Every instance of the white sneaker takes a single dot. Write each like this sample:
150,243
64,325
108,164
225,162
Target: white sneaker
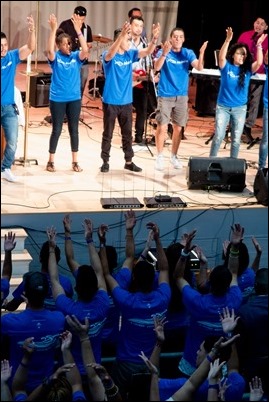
159,162
8,175
177,164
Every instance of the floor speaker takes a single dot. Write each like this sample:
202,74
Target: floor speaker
260,186
216,173
207,89
39,90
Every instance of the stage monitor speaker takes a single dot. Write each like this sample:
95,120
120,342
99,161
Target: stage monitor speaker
39,90
216,173
207,89
260,186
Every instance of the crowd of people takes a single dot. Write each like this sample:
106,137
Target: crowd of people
149,65
53,349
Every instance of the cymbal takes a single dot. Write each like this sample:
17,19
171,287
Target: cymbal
102,39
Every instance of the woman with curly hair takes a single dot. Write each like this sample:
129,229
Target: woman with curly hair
236,68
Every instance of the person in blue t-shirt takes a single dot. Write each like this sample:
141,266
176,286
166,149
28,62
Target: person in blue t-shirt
263,149
92,299
204,309
65,91
118,93
49,302
138,305
236,68
9,110
35,321
173,61
9,245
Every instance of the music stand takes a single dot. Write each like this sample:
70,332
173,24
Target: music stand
24,160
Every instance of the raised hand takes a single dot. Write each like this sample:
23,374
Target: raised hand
67,223
103,228
256,245
66,338
153,369
237,234
6,370
130,219
88,229
51,232
77,326
9,242
155,230
159,327
228,320
255,388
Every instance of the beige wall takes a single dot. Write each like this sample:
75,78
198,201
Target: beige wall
102,16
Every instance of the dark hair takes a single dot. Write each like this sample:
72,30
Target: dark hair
261,282
81,11
44,255
136,18
224,353
36,287
59,389
3,35
243,257
86,283
116,33
246,66
130,12
220,279
142,277
61,36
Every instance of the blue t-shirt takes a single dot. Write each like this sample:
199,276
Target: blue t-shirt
96,311
8,72
204,313
230,94
65,78
137,325
45,326
234,392
118,88
49,302
174,74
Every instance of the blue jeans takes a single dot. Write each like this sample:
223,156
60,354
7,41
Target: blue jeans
233,116
9,122
263,150
58,111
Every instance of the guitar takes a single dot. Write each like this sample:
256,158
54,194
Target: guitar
142,76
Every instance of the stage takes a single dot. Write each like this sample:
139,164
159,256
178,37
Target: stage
41,198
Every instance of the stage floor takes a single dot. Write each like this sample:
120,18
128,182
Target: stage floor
66,191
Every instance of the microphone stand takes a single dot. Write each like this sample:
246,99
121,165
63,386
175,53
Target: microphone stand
149,72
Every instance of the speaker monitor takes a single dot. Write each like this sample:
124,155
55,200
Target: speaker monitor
216,173
260,186
39,90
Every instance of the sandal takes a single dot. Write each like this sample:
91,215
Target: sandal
76,167
50,167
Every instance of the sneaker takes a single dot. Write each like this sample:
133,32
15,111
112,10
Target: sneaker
132,167
8,175
159,163
105,167
177,164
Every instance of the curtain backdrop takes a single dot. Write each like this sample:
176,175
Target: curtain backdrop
102,16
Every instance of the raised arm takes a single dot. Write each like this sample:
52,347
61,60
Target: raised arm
152,44
181,264
51,41
199,63
21,374
83,54
56,287
259,55
9,245
6,370
114,48
161,256
95,385
130,222
93,254
233,262
224,48
256,262
68,245
27,49
73,375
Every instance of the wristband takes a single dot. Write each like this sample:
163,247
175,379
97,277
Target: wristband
183,254
24,365
67,238
79,34
209,358
89,241
213,386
